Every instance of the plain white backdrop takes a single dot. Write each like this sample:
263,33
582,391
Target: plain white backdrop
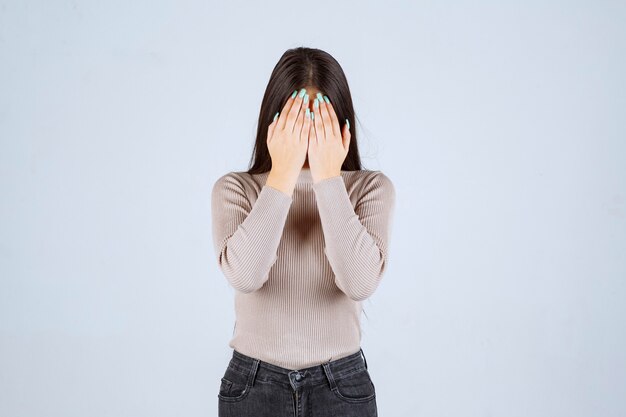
502,126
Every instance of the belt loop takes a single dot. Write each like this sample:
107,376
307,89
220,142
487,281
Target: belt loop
364,360
329,375
253,372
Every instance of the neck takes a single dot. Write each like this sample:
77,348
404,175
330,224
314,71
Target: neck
304,176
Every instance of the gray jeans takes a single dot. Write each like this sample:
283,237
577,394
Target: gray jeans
251,387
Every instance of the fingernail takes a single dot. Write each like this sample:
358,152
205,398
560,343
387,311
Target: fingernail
319,96
308,113
348,123
275,116
327,100
306,99
294,93
302,92
316,103
312,116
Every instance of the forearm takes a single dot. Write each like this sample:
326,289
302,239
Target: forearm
356,258
246,256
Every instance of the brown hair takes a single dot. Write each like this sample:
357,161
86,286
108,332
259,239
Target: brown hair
298,68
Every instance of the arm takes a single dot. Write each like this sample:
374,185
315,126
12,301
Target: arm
246,237
356,238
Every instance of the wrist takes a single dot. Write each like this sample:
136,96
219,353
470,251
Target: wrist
326,176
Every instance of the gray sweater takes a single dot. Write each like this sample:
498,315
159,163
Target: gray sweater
301,265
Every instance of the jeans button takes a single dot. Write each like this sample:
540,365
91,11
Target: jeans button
298,377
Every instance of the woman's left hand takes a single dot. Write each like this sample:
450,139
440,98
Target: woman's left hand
328,143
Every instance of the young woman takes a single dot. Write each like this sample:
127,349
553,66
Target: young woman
303,238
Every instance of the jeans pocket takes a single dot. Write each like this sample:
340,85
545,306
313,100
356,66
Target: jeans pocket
356,387
234,386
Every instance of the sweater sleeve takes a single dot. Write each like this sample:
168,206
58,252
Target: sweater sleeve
246,236
356,238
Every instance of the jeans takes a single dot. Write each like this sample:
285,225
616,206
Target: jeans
251,387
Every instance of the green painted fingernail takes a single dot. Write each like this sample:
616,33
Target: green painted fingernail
308,113
294,93
302,92
275,116
327,100
348,123
319,96
316,102
312,116
306,99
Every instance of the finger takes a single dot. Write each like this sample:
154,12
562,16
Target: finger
282,120
311,128
299,126
307,116
306,128
317,121
312,137
333,116
292,116
272,127
328,127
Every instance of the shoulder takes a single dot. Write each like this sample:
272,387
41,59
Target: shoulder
230,182
231,176
383,180
373,180
241,183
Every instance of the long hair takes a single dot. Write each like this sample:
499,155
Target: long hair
300,68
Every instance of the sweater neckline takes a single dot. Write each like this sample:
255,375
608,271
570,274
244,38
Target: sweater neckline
305,176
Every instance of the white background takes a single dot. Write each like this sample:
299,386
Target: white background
502,126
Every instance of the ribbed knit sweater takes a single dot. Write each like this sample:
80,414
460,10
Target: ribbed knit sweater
301,265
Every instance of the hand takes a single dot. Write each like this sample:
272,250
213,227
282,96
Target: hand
287,142
328,144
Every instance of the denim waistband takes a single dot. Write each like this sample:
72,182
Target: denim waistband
327,371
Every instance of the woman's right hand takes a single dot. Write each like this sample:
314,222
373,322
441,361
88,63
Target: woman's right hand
287,142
